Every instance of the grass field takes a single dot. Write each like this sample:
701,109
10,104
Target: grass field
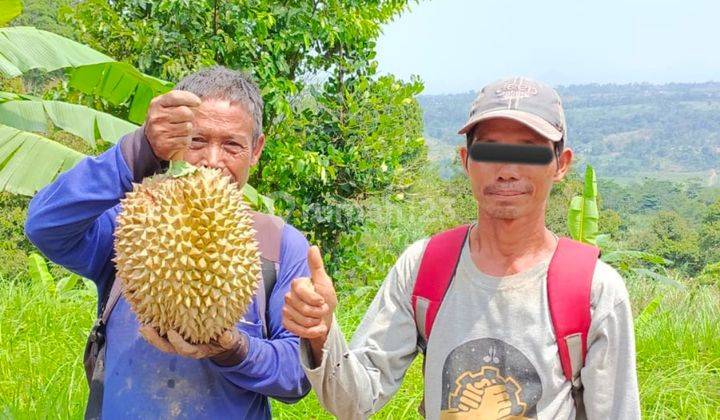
42,336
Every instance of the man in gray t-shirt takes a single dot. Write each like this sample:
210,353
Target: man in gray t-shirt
493,353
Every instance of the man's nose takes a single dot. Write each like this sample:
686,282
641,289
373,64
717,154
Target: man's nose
213,158
508,172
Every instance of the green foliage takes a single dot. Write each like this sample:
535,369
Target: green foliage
70,286
25,48
709,233
429,206
258,201
611,223
583,214
180,168
624,260
561,195
42,341
282,45
648,311
9,10
42,14
678,354
332,154
14,246
39,273
710,275
669,235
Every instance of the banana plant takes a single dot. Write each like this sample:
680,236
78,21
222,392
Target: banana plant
22,117
583,215
583,218
70,287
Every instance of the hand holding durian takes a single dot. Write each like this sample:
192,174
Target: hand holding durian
229,342
185,247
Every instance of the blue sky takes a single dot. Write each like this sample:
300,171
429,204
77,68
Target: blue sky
459,45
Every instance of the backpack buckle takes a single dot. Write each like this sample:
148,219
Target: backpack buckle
97,333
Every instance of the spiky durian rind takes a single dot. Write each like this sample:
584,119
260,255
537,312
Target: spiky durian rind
186,253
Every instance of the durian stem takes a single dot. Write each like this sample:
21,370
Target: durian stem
177,155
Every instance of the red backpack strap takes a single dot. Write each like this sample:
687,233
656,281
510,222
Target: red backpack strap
437,268
569,281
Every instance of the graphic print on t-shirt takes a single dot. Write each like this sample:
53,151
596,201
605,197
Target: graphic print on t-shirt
489,379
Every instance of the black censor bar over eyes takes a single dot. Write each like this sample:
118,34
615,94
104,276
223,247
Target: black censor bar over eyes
511,153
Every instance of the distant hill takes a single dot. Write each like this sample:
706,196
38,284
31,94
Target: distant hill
667,131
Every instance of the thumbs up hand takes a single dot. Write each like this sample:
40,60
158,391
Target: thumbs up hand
310,303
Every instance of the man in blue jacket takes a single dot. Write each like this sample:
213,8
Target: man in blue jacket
214,119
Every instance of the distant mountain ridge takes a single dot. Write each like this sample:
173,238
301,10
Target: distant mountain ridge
664,131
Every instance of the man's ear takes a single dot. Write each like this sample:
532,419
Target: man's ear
463,153
564,161
257,150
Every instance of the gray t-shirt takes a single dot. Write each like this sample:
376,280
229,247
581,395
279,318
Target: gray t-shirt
492,353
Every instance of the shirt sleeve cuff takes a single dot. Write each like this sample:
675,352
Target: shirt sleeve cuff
139,156
233,357
332,350
247,362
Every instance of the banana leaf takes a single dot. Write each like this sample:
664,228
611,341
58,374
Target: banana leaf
39,273
648,311
583,214
625,255
644,272
29,161
32,114
119,82
258,201
24,48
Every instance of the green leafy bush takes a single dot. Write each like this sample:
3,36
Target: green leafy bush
14,246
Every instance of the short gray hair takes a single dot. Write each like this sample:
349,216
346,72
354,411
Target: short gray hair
219,82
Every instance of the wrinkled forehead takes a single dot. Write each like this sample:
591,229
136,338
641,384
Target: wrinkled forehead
222,118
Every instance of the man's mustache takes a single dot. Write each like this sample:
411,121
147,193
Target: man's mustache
509,187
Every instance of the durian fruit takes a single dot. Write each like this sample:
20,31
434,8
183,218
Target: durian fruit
186,253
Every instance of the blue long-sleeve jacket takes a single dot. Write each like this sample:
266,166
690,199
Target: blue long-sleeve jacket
72,222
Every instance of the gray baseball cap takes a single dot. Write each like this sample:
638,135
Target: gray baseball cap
526,101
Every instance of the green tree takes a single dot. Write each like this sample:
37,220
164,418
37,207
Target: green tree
710,274
669,235
710,234
43,14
